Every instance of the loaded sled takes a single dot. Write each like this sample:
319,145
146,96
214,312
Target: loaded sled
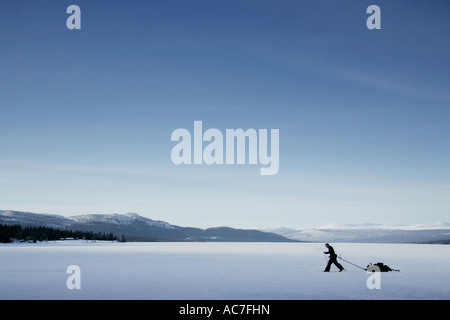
379,267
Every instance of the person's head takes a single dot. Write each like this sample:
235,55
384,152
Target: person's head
327,245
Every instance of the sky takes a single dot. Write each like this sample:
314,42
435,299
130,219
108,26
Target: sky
86,116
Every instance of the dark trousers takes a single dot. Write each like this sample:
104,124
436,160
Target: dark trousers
331,261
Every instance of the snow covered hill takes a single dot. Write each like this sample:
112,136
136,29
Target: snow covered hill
136,228
119,220
33,219
369,233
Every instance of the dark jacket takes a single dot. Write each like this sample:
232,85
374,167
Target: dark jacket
331,252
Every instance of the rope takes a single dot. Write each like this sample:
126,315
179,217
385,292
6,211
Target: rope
352,263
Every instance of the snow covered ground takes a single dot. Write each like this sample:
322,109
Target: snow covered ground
219,271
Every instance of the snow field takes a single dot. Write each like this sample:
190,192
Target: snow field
177,270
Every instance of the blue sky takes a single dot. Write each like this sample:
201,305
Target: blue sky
364,115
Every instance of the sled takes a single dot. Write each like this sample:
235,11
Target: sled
379,267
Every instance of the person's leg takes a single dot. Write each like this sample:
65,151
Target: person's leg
337,264
327,268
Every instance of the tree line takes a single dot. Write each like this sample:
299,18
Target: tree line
10,233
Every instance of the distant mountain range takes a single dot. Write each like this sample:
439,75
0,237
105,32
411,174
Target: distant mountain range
438,232
137,228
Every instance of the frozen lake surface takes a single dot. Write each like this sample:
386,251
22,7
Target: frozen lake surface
220,271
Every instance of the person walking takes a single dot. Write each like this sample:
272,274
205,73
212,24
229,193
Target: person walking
332,259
